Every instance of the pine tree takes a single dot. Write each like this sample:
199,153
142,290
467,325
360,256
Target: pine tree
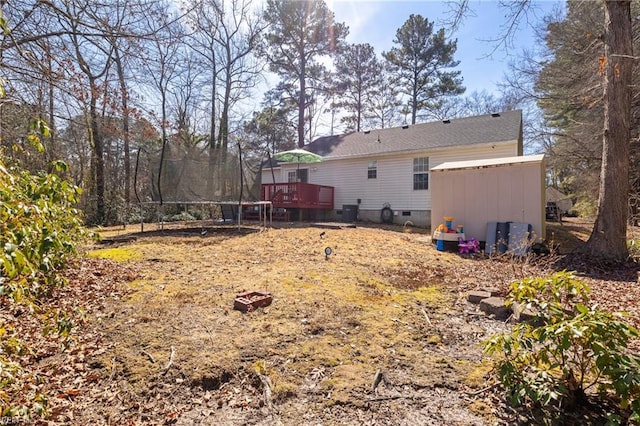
589,81
569,92
422,60
357,77
300,33
608,237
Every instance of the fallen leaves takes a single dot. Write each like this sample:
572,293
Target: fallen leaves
55,363
157,351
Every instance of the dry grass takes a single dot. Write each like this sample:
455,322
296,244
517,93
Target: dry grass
379,301
384,300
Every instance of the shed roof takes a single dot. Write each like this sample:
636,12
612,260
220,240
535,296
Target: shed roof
491,162
554,194
483,129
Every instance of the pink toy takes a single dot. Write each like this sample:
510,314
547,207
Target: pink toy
470,246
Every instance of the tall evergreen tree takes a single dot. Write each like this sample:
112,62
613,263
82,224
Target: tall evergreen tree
300,34
589,81
608,238
385,103
357,77
422,60
269,130
569,92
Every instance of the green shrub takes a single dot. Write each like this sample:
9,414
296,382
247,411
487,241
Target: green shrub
567,349
39,225
182,216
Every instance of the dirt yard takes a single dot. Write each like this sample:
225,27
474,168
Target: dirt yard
379,332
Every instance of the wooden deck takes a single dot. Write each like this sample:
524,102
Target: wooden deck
298,195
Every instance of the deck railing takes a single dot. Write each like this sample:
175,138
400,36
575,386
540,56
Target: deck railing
298,195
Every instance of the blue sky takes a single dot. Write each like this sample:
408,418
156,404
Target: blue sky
376,23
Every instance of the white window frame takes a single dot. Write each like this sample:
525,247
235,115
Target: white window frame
372,169
420,173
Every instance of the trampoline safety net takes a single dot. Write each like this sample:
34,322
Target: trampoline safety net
192,174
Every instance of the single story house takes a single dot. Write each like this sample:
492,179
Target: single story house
384,175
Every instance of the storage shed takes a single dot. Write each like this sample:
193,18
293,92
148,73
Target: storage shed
562,201
478,192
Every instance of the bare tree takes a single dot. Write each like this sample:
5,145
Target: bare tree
94,59
121,50
224,36
69,50
162,64
30,71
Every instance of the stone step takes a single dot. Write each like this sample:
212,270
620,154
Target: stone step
522,313
475,296
493,290
495,306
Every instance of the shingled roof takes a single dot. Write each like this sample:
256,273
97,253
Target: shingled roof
491,128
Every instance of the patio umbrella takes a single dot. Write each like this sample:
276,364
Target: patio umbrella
297,155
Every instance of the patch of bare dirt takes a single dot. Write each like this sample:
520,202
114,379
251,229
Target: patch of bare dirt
378,332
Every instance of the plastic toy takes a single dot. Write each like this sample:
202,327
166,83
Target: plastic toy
470,246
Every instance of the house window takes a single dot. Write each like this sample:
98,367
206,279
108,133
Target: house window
300,175
421,173
372,170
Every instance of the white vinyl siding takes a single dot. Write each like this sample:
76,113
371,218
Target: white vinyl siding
486,152
394,184
394,176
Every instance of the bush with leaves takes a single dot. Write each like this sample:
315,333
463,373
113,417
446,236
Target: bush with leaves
567,349
38,227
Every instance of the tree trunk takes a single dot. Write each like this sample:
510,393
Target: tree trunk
98,150
302,98
51,120
608,238
125,128
301,108
213,147
223,133
163,108
414,104
359,111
